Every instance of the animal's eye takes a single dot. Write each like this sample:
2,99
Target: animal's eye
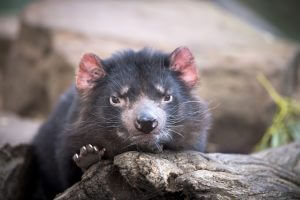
168,98
114,100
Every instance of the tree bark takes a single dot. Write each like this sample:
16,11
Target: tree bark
14,171
272,174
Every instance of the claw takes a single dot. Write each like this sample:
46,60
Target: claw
83,151
88,155
76,157
89,148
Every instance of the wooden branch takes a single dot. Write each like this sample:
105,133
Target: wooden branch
273,174
14,171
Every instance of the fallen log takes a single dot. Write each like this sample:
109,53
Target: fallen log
272,174
14,171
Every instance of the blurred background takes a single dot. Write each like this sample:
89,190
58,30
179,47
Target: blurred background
41,43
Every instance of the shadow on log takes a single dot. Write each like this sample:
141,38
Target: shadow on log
272,174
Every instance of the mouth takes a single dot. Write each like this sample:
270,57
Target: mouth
146,138
146,142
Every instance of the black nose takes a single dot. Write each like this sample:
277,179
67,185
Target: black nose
145,124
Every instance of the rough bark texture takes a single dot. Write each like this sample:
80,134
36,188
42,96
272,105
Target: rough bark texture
273,174
14,168
286,157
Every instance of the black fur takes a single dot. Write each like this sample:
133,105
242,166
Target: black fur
78,121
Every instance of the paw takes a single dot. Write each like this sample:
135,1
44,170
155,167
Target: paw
88,155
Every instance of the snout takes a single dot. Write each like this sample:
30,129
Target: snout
146,122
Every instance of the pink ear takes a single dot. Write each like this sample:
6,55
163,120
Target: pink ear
90,69
182,60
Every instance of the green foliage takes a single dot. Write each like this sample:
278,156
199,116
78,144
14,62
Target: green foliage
285,126
12,6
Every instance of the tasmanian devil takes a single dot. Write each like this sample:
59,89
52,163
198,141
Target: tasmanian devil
131,101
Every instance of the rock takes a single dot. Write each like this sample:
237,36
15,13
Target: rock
291,85
8,32
15,130
190,175
55,34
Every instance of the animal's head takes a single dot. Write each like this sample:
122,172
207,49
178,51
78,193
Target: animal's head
143,98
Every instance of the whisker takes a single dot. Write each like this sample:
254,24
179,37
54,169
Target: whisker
176,132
